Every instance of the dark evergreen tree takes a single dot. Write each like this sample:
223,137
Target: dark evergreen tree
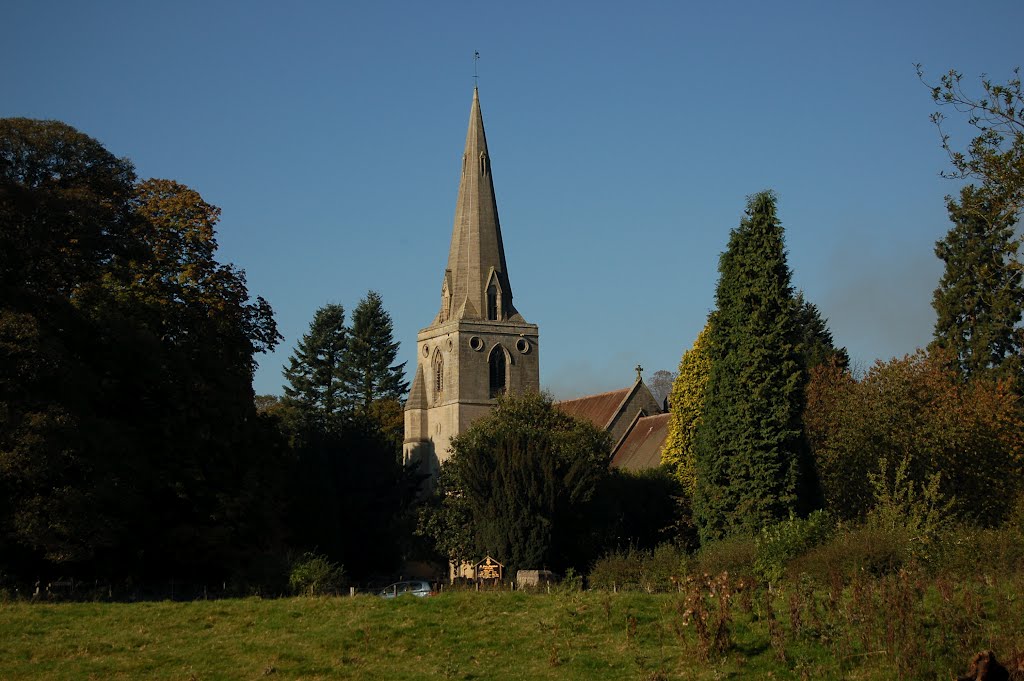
980,298
349,497
645,508
350,493
521,486
751,452
315,372
816,343
370,372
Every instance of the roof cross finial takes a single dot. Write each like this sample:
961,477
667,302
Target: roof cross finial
476,58
639,370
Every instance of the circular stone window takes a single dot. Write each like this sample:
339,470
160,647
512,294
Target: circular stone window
426,351
523,345
477,343
451,346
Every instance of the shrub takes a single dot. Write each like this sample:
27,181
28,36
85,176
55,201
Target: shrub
785,540
903,509
314,575
734,555
572,582
637,570
859,550
663,569
972,551
619,570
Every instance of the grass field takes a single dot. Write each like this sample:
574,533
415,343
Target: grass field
878,629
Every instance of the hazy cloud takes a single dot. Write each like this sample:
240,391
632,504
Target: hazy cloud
879,301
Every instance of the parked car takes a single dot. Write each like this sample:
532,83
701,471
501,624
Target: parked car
415,587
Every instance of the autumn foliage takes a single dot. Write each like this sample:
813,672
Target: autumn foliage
918,408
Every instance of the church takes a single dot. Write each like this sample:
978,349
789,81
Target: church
479,345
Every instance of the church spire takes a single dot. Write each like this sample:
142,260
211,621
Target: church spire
476,284
478,347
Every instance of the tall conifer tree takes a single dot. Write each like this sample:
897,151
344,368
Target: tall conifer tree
980,298
750,445
315,372
816,343
370,374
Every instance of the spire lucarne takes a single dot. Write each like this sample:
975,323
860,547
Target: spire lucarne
478,346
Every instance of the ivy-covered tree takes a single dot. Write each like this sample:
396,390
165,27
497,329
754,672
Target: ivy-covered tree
686,409
316,370
370,371
751,453
980,299
686,403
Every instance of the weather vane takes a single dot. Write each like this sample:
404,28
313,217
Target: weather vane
476,58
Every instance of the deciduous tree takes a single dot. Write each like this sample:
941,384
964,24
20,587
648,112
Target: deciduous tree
995,156
64,215
65,208
661,384
207,456
129,442
916,409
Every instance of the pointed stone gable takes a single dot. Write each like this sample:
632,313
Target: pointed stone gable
633,419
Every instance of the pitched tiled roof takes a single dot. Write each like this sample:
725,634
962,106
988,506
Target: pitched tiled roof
641,447
598,409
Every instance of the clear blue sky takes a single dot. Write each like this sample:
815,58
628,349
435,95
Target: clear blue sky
624,139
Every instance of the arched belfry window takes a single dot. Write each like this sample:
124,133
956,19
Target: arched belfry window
498,366
493,311
438,365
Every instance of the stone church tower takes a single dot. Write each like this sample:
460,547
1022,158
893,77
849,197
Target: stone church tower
478,345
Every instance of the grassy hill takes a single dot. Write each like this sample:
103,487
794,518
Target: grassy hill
900,626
